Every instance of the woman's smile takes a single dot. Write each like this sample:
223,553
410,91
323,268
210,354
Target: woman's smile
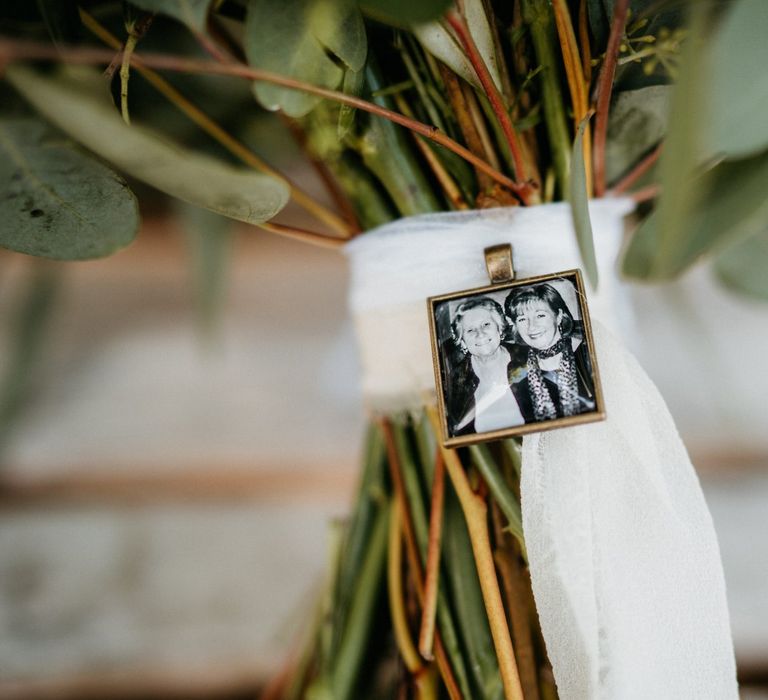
480,332
537,325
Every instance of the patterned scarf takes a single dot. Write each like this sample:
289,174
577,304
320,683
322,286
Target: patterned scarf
567,386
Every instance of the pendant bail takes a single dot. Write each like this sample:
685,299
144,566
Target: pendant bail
498,262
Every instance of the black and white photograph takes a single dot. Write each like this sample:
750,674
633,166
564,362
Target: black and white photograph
514,358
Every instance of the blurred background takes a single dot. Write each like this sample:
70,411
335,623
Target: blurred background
168,482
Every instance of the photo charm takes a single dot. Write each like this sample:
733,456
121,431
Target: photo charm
514,357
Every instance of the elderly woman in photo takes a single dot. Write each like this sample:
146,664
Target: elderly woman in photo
479,398
559,379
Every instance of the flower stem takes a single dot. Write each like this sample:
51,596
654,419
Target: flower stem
432,577
299,234
403,639
455,678
482,459
495,99
574,72
450,188
353,645
13,50
604,87
537,15
637,172
476,515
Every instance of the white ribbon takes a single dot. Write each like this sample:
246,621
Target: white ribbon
624,559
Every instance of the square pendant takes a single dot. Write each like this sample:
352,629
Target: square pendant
514,357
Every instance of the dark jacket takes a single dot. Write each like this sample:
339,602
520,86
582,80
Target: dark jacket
461,383
522,389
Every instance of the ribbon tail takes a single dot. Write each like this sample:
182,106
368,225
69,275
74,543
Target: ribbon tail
624,559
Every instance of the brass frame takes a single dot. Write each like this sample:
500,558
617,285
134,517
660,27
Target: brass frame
540,426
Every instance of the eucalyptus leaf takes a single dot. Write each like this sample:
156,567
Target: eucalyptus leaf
77,102
743,266
442,44
401,13
659,248
637,122
577,195
193,13
737,84
56,201
293,38
731,207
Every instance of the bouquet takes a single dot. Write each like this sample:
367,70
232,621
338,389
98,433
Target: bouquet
400,109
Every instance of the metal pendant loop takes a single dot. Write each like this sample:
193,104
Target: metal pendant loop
498,262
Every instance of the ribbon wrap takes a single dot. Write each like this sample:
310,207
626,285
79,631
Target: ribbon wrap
624,560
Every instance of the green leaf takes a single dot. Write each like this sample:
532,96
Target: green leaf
442,44
731,206
293,38
737,87
404,12
77,102
658,249
193,13
637,122
743,266
57,202
577,195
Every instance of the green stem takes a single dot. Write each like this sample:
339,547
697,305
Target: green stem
371,205
388,154
371,497
537,14
467,599
354,642
511,448
446,623
502,493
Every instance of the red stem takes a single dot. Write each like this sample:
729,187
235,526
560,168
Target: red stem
637,172
604,87
646,193
491,91
15,50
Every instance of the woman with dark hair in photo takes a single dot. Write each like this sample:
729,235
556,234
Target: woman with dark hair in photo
479,398
559,379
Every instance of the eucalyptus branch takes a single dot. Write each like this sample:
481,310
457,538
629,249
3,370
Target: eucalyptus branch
494,96
446,182
427,628
405,645
604,87
303,235
464,119
414,558
18,50
235,147
476,515
574,73
645,194
637,172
